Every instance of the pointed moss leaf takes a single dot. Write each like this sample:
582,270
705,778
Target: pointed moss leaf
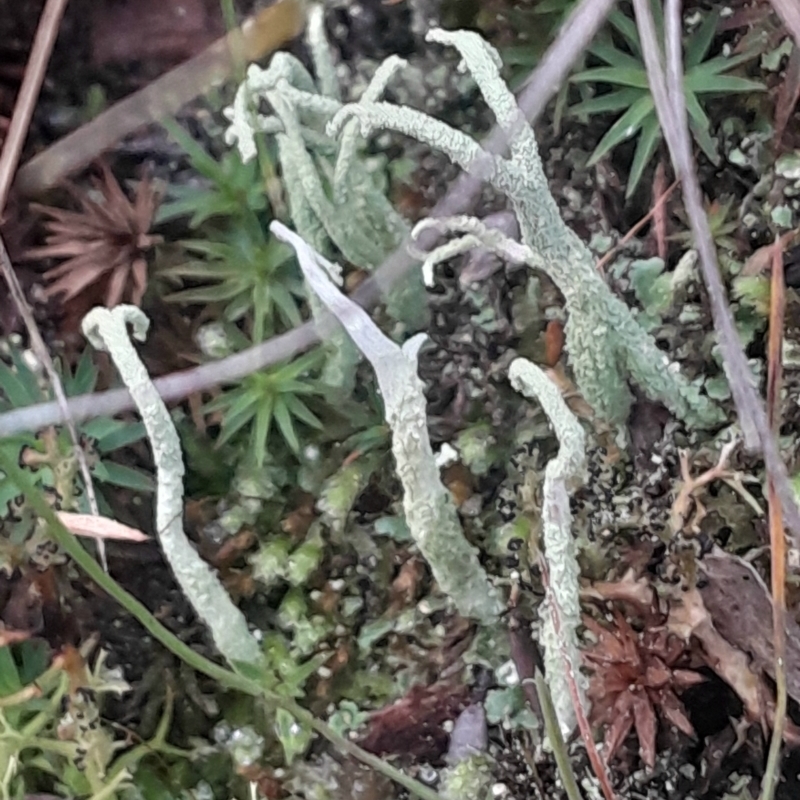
605,49
9,674
624,128
703,138
294,736
121,435
254,672
84,378
699,42
283,418
622,76
627,27
612,101
300,410
17,388
125,477
261,426
645,148
703,83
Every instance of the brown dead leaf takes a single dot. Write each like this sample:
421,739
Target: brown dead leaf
97,527
690,618
638,592
660,211
406,586
459,480
739,604
553,343
413,726
297,522
572,396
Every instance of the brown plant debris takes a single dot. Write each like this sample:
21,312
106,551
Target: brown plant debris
105,242
413,726
635,679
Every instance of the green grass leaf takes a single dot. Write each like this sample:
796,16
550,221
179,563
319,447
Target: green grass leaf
624,128
125,477
621,76
645,149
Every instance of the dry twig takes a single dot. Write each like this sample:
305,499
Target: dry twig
667,90
575,34
777,311
28,93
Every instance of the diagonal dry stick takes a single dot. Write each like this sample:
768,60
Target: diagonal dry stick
777,538
544,82
789,12
264,32
20,122
42,47
667,93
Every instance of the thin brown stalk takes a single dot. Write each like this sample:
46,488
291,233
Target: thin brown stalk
789,12
670,106
263,33
584,726
603,262
777,539
41,352
544,82
29,93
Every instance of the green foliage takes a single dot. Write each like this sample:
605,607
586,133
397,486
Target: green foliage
52,736
536,27
247,270
267,399
50,454
280,560
654,289
234,188
233,260
753,291
626,75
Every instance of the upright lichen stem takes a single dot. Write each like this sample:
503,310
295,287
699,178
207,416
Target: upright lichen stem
107,330
429,509
605,343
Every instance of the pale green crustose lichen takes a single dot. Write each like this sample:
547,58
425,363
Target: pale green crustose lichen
107,330
429,509
561,611
605,343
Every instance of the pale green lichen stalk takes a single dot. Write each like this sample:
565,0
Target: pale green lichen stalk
429,510
605,343
354,215
106,329
561,611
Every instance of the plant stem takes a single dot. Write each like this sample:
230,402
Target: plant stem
225,677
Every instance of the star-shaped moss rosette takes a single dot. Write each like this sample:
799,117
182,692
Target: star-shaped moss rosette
106,240
635,680
624,72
